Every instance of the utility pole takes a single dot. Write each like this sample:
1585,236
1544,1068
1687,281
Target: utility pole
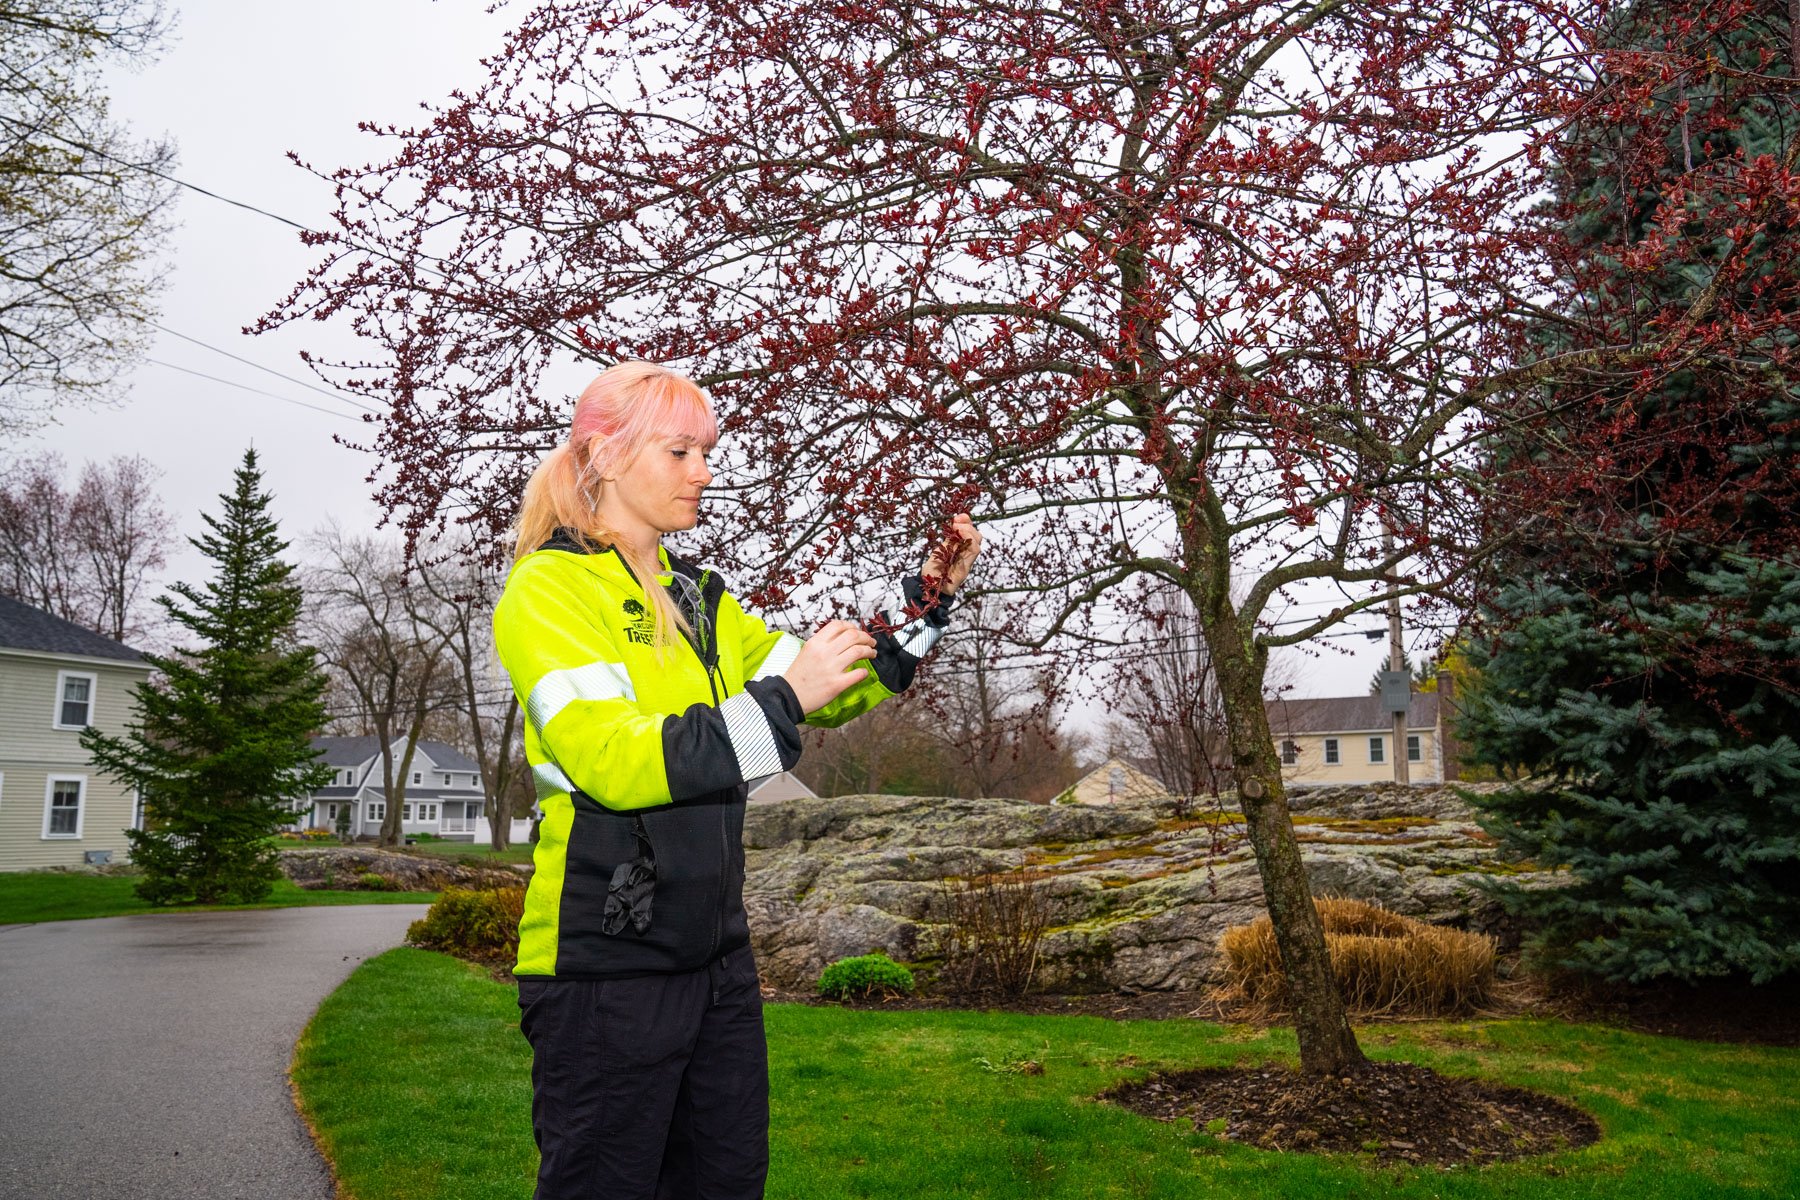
1396,663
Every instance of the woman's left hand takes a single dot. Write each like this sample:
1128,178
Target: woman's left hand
960,548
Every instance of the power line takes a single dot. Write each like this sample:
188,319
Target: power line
342,416
335,394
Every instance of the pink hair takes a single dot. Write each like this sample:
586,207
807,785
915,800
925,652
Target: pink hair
626,406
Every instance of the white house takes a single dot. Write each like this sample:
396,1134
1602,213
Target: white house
443,792
56,679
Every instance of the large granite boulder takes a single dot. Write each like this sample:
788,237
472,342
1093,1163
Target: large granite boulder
1135,896
356,868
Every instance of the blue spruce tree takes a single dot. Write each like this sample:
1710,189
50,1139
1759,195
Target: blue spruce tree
1640,677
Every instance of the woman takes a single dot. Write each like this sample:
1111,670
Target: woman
651,700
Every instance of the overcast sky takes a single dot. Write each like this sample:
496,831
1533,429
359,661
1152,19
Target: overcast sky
240,86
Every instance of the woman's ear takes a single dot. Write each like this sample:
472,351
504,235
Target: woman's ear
596,445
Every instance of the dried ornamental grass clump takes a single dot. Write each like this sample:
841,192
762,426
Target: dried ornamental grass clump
1383,962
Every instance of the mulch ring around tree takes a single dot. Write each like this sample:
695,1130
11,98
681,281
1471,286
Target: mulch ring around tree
1397,1112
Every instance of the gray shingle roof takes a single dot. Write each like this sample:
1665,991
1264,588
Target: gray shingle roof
1347,714
354,751
24,627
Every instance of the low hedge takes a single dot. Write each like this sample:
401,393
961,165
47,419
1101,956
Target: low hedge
863,977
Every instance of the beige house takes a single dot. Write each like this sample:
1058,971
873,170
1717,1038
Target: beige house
56,679
783,785
1349,740
1112,782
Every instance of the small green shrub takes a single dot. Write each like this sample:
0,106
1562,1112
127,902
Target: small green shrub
469,924
867,975
373,881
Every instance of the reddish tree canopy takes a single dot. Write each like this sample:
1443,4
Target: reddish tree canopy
1204,294
1172,281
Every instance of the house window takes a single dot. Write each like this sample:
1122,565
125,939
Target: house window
418,777
331,814
1413,751
1377,750
1331,750
378,810
1290,753
443,781
473,809
349,778
428,812
406,812
62,806
74,700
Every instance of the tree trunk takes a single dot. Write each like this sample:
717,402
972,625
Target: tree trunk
499,800
396,787
1327,1046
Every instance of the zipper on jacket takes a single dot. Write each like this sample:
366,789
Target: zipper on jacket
706,650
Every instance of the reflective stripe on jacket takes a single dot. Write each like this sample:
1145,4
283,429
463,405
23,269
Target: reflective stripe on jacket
642,759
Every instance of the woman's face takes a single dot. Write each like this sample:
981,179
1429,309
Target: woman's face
659,490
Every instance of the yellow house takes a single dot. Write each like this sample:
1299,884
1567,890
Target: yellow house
1349,740
56,679
1113,782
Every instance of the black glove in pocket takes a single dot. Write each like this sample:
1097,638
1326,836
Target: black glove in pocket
633,887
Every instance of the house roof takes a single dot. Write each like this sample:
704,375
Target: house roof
1347,714
24,627
1129,764
354,751
781,783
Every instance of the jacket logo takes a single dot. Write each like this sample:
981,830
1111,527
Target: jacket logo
642,629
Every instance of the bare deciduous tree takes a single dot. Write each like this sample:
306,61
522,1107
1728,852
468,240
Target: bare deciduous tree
82,206
993,720
84,554
465,587
1170,711
386,651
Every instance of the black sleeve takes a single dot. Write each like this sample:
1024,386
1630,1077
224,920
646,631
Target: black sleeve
753,734
894,664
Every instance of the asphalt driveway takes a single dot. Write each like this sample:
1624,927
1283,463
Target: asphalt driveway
145,1057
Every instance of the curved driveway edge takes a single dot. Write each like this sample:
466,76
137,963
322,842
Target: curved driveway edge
145,1057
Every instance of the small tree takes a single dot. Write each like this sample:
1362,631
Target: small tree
220,745
1206,296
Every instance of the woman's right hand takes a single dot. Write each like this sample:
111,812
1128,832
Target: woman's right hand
826,665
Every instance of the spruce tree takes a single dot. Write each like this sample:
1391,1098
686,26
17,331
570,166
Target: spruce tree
220,743
1640,675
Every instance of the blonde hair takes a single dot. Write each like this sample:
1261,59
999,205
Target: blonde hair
616,416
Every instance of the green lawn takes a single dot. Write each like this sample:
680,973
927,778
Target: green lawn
921,1104
29,896
478,853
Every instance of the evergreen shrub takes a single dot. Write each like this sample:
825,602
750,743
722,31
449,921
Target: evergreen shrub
220,740
479,925
1676,807
864,977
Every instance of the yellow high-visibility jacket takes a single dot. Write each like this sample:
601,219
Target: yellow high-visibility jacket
642,761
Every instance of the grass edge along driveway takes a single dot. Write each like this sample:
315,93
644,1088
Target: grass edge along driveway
416,1080
30,897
